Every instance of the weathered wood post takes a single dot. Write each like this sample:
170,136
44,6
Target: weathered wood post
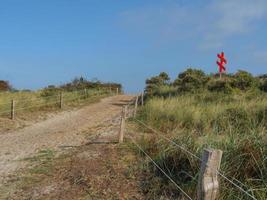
208,184
142,98
12,113
61,100
117,91
136,105
122,127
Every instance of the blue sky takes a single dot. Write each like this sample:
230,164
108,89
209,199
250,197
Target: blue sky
53,41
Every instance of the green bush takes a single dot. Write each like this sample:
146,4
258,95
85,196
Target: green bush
223,85
263,85
191,80
154,84
243,80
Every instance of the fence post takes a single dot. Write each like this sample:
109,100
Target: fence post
136,105
208,184
61,100
142,98
117,91
12,114
122,127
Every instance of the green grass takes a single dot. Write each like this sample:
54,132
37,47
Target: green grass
235,124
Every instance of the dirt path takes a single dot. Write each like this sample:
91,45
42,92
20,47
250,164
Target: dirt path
64,129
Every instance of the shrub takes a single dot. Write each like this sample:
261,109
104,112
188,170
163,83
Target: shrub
191,80
243,80
154,83
218,85
82,83
263,85
5,86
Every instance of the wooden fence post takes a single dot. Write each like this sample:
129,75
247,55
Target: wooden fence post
142,98
136,106
117,91
61,100
122,127
12,114
208,184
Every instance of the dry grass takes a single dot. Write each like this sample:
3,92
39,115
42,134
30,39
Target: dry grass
32,101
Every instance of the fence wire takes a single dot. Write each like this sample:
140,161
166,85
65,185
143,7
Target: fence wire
196,157
48,103
176,185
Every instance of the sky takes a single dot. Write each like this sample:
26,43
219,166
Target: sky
53,41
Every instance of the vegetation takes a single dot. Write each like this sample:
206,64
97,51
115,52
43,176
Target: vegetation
196,81
77,91
5,86
205,112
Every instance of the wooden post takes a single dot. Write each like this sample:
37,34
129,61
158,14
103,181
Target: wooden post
117,91
142,98
122,127
61,100
12,114
136,105
208,184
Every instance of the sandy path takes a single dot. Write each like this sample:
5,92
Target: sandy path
64,129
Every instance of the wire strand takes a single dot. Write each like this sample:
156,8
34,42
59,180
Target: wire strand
169,140
47,97
184,149
240,188
178,187
46,104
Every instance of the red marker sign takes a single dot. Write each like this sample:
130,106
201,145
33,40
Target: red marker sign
221,63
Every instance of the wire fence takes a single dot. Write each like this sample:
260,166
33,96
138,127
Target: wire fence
165,174
51,101
234,182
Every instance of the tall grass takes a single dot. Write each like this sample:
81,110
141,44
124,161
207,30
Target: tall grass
235,124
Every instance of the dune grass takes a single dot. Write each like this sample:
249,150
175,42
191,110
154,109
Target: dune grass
235,124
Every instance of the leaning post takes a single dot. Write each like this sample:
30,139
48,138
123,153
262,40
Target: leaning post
208,184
